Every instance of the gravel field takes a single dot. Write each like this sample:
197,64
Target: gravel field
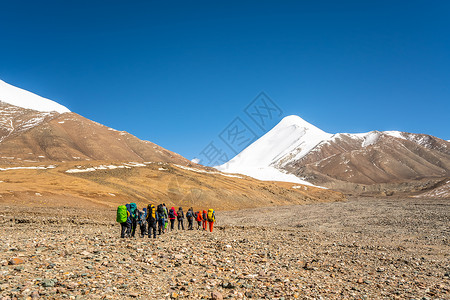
359,249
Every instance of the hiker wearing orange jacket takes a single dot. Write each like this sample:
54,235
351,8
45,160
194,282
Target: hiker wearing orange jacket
204,221
199,219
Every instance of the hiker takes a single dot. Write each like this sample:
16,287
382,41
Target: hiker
129,221
204,221
122,217
199,219
180,218
152,219
211,218
142,221
190,218
161,221
166,217
172,217
133,217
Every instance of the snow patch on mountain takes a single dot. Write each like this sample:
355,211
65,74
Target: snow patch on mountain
397,134
22,98
107,167
29,168
371,138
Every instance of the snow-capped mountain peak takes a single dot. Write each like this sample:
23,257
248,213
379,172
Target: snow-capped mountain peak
294,144
294,120
22,98
291,138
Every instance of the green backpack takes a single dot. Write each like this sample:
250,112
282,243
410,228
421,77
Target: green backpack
122,214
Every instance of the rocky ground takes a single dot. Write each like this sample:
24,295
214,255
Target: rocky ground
359,249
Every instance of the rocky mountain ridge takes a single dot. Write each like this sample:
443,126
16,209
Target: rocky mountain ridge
348,162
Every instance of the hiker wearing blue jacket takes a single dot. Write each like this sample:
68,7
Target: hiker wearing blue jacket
132,219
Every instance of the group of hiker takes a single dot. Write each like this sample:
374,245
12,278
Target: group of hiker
152,219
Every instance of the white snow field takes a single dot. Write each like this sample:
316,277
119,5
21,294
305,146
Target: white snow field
22,98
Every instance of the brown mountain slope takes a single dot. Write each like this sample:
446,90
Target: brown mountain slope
346,162
112,183
47,158
14,120
68,137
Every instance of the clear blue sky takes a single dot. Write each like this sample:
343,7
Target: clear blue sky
178,72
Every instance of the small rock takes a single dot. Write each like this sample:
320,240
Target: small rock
227,285
16,261
72,285
216,296
19,268
48,283
173,295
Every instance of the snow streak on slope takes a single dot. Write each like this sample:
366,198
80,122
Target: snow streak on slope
291,139
22,98
14,119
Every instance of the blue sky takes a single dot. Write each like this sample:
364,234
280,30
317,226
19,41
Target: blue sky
178,72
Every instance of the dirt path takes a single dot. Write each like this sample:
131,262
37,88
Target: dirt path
360,249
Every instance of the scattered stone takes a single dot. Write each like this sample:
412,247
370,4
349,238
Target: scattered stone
216,296
83,258
16,261
48,283
228,285
19,268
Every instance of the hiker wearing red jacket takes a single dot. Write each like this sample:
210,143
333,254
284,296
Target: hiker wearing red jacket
199,219
204,221
172,216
